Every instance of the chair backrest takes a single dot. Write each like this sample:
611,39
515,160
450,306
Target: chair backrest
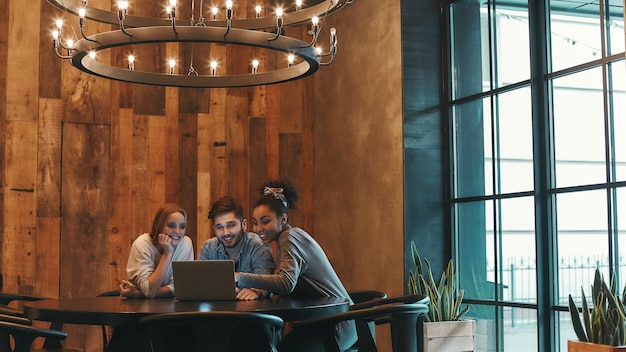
6,298
219,331
360,296
24,335
366,330
421,299
403,319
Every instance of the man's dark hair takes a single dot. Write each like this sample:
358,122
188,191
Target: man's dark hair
225,205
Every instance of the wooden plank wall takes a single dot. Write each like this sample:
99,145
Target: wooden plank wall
85,162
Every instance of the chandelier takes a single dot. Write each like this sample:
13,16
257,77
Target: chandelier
302,58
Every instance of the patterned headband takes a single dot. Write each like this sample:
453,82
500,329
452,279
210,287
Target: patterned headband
277,193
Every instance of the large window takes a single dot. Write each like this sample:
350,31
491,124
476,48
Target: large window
537,102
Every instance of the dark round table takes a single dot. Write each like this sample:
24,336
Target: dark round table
116,311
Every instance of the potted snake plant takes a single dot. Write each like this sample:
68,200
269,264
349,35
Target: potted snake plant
603,324
444,329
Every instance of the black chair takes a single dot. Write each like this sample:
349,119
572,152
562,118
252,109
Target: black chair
360,296
319,334
367,330
407,299
105,333
6,298
214,330
23,335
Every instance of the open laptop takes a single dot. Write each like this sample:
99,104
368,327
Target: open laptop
204,280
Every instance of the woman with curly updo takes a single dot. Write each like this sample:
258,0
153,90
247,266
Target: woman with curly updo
302,268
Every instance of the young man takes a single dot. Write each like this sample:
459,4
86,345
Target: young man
232,242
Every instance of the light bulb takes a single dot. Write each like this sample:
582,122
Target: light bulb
173,3
122,5
55,34
279,12
59,24
258,9
70,43
255,66
229,4
81,13
298,4
131,59
172,64
315,20
290,59
92,55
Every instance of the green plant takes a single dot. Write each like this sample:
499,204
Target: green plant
445,296
604,322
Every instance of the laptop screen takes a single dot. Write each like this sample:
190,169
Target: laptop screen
204,280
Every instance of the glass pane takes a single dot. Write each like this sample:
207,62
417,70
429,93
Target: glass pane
575,38
565,330
470,48
620,225
520,329
616,26
582,241
618,101
471,43
472,155
579,141
518,271
475,274
513,48
514,142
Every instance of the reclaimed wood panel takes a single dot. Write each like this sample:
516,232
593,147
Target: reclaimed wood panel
49,158
4,49
257,163
142,216
85,200
149,100
47,257
20,204
87,97
50,65
291,168
188,178
171,141
290,107
203,189
218,143
157,150
273,115
203,229
121,161
236,127
23,82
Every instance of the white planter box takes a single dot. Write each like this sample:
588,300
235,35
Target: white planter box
450,336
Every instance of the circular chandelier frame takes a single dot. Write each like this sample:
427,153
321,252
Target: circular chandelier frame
246,32
81,60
